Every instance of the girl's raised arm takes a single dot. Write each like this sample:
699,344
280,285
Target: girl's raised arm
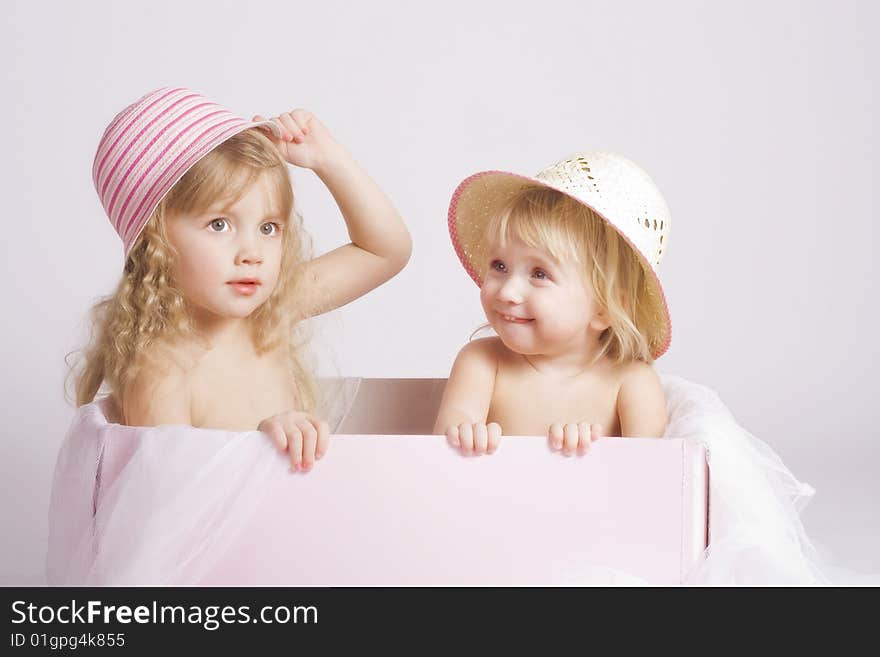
380,243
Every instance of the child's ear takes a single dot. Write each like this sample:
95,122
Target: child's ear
599,322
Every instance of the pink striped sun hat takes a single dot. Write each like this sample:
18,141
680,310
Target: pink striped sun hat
150,145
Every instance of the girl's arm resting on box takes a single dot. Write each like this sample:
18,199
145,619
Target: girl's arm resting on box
468,392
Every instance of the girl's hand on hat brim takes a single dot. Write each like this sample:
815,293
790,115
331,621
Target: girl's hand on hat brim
294,125
304,141
258,118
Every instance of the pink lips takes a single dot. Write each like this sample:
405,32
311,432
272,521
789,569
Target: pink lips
245,286
513,319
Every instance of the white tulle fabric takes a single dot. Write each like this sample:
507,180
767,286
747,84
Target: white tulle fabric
180,500
756,536
185,494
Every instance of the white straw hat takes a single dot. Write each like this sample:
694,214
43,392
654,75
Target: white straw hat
612,186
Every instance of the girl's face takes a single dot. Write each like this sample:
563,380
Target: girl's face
229,256
536,305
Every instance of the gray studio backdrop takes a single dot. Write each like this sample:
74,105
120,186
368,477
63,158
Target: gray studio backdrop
756,119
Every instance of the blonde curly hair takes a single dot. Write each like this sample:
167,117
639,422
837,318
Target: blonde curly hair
130,326
547,219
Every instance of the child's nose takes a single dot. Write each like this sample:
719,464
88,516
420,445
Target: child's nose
248,252
511,291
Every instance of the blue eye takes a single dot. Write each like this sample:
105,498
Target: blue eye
219,225
270,228
497,265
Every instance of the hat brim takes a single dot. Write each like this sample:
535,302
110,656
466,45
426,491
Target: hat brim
272,126
483,195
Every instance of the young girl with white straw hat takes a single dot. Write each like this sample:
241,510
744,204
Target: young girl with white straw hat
566,265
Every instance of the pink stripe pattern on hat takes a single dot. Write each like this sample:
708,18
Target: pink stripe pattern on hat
149,146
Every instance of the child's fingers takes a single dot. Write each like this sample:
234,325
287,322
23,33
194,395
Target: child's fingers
303,118
295,132
481,439
584,437
570,439
452,437
466,437
275,432
266,131
494,434
310,442
323,438
556,436
595,431
295,443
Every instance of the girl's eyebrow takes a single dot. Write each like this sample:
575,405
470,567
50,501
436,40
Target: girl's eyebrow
545,262
216,210
538,258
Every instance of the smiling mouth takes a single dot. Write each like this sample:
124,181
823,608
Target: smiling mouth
514,320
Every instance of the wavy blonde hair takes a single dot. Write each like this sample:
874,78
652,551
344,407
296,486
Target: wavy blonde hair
132,325
549,220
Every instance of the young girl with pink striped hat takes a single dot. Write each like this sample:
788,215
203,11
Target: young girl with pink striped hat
202,329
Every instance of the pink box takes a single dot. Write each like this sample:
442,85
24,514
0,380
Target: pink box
390,505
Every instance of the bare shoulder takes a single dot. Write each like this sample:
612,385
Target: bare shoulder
639,376
161,390
641,404
484,351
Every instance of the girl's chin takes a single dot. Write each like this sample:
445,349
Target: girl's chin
519,346
210,315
